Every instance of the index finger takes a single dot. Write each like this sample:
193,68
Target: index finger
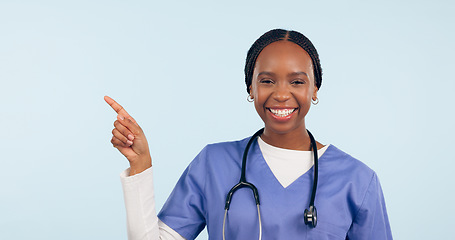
118,108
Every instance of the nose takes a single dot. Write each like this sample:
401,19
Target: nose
282,93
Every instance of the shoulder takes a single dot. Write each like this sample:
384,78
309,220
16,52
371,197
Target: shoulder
339,170
349,171
220,153
228,146
341,161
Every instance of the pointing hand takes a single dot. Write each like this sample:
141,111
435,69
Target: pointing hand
129,139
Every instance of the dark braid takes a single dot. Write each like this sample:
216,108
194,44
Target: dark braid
278,35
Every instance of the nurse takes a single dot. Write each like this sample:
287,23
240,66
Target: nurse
282,75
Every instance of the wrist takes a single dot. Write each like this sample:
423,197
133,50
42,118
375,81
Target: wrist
139,166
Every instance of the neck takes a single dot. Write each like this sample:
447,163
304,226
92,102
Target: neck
298,139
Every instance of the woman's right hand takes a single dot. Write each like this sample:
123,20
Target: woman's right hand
129,139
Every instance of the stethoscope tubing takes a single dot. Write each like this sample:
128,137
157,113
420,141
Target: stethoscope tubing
315,180
312,214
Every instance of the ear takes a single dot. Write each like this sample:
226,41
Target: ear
315,94
251,91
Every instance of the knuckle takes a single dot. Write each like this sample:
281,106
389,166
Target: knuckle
137,131
125,132
117,133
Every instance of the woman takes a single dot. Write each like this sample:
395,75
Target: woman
283,76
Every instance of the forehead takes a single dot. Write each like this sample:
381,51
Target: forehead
284,55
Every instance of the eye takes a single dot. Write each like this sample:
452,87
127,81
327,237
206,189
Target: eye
297,82
266,81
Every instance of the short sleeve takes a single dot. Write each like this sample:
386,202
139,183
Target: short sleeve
371,221
184,210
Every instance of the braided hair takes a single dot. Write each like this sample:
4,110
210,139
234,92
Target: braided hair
281,35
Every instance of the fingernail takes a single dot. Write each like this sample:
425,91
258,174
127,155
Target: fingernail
130,137
120,117
129,142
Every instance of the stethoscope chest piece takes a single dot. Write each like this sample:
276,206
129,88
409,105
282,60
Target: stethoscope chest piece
311,216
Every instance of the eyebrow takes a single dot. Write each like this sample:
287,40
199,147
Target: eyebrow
290,74
298,73
266,73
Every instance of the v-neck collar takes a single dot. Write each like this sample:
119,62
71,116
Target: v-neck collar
270,176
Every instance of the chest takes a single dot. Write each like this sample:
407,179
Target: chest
281,209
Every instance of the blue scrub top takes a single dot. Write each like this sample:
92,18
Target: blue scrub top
349,198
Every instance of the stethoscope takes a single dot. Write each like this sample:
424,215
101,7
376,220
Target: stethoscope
310,214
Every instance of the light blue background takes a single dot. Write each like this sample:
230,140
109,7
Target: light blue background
177,67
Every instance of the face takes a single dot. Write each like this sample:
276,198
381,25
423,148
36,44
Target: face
282,87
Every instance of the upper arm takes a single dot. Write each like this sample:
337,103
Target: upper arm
185,210
167,233
371,221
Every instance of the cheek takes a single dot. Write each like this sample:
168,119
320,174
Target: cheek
308,98
256,93
303,95
258,102
304,100
260,98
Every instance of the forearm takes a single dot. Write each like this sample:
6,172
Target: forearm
142,221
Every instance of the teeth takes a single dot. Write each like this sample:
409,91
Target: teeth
282,112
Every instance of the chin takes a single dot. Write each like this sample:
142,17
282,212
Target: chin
282,128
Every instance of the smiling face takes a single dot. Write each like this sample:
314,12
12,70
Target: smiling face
283,86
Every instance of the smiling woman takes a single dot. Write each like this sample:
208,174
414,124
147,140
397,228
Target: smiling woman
283,75
283,86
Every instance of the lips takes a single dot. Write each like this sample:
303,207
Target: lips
281,112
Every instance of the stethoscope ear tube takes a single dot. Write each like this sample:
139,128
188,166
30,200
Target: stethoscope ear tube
242,182
311,214
245,153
